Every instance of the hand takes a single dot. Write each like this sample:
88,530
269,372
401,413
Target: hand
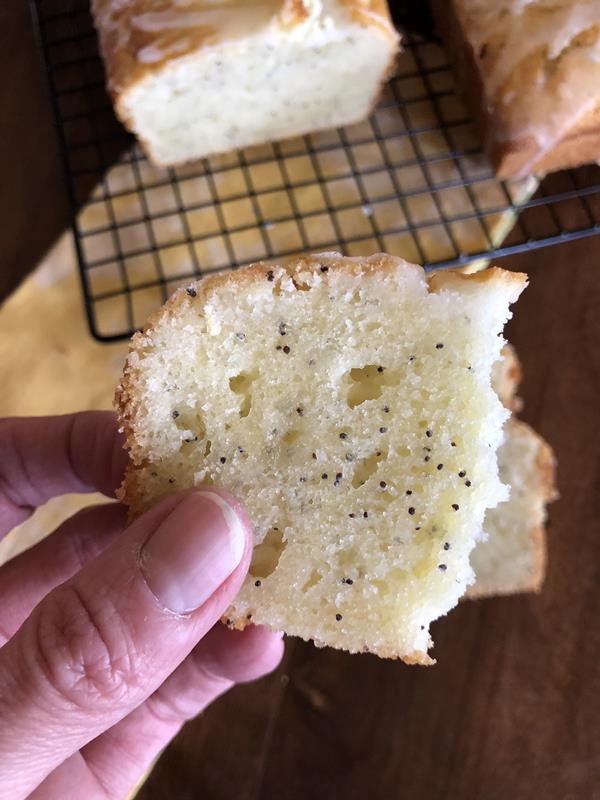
109,636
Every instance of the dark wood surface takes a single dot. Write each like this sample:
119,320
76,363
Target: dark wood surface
33,207
512,709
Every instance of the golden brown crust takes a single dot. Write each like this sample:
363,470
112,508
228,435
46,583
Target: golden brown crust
441,278
508,379
515,154
240,623
545,464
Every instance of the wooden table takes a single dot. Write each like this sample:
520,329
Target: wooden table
512,709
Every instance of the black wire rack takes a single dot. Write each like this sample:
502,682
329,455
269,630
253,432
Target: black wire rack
411,180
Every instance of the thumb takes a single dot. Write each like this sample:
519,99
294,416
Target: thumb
100,644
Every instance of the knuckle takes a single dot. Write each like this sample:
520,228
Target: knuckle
179,701
81,542
84,650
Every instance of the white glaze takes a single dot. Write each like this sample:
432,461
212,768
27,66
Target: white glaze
548,108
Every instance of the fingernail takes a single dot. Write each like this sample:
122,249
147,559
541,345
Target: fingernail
193,551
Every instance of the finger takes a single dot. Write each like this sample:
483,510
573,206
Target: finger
73,780
41,457
26,579
100,644
119,758
122,755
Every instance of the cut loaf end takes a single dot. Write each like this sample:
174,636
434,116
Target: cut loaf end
347,403
226,76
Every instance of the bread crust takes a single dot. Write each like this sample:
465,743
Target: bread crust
240,623
512,156
508,379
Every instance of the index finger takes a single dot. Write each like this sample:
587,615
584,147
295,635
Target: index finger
42,457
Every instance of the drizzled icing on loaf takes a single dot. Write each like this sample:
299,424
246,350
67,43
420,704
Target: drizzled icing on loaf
146,33
539,61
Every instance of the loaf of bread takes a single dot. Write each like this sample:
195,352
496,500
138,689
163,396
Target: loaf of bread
198,77
347,402
531,71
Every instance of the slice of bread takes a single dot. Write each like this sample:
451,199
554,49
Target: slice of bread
513,557
347,403
194,79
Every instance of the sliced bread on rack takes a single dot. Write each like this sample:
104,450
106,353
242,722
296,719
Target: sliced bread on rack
196,78
347,403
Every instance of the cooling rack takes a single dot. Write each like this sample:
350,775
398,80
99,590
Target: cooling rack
411,180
